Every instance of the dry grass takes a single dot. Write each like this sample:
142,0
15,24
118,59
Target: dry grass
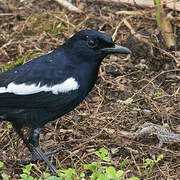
36,27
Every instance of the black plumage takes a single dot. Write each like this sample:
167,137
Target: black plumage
52,85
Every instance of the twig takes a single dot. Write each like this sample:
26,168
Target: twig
174,5
69,6
117,28
6,14
61,19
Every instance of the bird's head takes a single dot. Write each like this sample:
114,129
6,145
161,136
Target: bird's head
91,45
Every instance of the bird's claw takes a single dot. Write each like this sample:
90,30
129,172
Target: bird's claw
36,157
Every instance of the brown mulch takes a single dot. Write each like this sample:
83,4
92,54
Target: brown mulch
150,81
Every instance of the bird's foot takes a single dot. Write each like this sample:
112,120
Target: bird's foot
37,154
36,157
54,151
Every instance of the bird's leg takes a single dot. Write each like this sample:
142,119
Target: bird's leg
20,133
34,141
33,146
35,157
28,145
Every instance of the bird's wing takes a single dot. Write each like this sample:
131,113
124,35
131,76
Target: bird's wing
37,85
37,100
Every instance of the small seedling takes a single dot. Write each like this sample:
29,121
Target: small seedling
157,94
98,170
67,174
3,175
149,164
26,173
1,164
103,154
123,163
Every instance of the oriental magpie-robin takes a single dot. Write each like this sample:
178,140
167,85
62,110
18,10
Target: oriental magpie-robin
52,85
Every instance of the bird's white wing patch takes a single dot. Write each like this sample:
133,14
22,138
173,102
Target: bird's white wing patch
69,84
3,90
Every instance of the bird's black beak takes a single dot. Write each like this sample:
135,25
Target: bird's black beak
116,49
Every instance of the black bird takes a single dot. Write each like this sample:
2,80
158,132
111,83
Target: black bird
52,85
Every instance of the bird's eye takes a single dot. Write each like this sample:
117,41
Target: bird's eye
91,43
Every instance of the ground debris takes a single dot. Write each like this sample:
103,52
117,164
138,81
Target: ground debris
69,6
164,134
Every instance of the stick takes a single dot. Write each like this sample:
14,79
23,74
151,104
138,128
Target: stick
68,5
171,4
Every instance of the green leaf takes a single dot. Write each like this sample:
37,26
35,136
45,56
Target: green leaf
1,164
9,66
107,159
67,174
82,175
53,178
133,178
103,154
111,172
89,167
93,176
92,167
101,177
120,173
23,176
161,156
144,166
47,175
148,161
31,178
157,94
104,151
100,170
5,176
9,126
123,163
98,154
27,169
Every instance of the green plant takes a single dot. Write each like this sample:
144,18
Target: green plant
26,173
123,163
157,94
67,174
150,163
164,24
1,164
103,154
3,175
10,65
99,170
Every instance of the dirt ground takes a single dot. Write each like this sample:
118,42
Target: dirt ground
131,90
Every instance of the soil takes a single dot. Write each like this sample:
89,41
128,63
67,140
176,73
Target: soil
131,90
